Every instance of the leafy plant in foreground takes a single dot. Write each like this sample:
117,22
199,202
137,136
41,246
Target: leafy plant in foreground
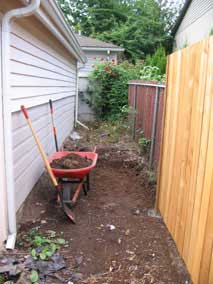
34,277
144,142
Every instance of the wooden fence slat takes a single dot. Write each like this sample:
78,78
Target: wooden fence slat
157,201
173,126
207,249
177,169
211,271
199,90
204,175
183,134
165,146
186,173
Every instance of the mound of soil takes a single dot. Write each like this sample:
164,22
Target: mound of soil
71,161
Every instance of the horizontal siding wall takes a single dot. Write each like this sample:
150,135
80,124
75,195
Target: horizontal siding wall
196,10
41,69
197,23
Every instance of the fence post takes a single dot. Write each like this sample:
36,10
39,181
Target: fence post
135,111
154,126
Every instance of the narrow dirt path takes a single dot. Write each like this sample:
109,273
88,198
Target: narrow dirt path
114,240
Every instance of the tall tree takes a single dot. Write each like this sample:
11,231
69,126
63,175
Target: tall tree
140,26
94,16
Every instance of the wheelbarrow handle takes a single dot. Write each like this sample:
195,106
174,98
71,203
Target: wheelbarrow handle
94,150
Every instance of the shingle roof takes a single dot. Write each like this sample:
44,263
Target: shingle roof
181,16
89,42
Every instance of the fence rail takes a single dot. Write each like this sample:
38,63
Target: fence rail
185,183
147,99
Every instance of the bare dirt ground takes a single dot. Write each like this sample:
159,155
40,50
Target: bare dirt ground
115,240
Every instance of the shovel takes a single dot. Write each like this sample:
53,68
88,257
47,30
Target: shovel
65,208
53,125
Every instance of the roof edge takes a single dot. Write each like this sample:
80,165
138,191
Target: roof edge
69,41
119,49
180,17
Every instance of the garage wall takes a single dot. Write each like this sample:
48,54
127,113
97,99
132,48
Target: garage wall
40,69
93,57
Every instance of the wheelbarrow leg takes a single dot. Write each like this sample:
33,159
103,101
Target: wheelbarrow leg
88,182
85,189
66,209
77,192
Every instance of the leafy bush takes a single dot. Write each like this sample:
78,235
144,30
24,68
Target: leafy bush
151,73
158,60
108,86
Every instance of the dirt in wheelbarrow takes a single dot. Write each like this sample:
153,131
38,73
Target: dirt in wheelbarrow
71,161
116,239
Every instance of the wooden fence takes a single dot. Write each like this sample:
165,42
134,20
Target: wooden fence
147,100
185,181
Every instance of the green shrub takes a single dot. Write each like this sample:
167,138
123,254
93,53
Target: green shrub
158,60
108,86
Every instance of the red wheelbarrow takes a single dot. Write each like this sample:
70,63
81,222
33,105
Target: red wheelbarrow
61,176
73,176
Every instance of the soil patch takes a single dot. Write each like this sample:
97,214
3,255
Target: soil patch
71,161
115,239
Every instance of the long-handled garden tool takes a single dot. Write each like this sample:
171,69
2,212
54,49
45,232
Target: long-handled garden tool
53,125
65,207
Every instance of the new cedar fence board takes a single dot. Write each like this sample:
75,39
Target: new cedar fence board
185,180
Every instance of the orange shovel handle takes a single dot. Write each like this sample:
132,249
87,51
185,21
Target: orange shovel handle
43,155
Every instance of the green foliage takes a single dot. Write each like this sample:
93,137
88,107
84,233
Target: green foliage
151,73
2,279
34,277
152,178
47,246
108,86
42,247
94,16
140,26
143,142
158,60
142,33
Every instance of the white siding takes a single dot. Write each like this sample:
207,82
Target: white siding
3,215
40,69
197,23
94,57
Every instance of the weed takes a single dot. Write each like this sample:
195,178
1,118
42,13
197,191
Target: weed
44,247
34,277
144,142
152,178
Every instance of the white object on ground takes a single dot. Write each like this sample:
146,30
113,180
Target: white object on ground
111,227
75,136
